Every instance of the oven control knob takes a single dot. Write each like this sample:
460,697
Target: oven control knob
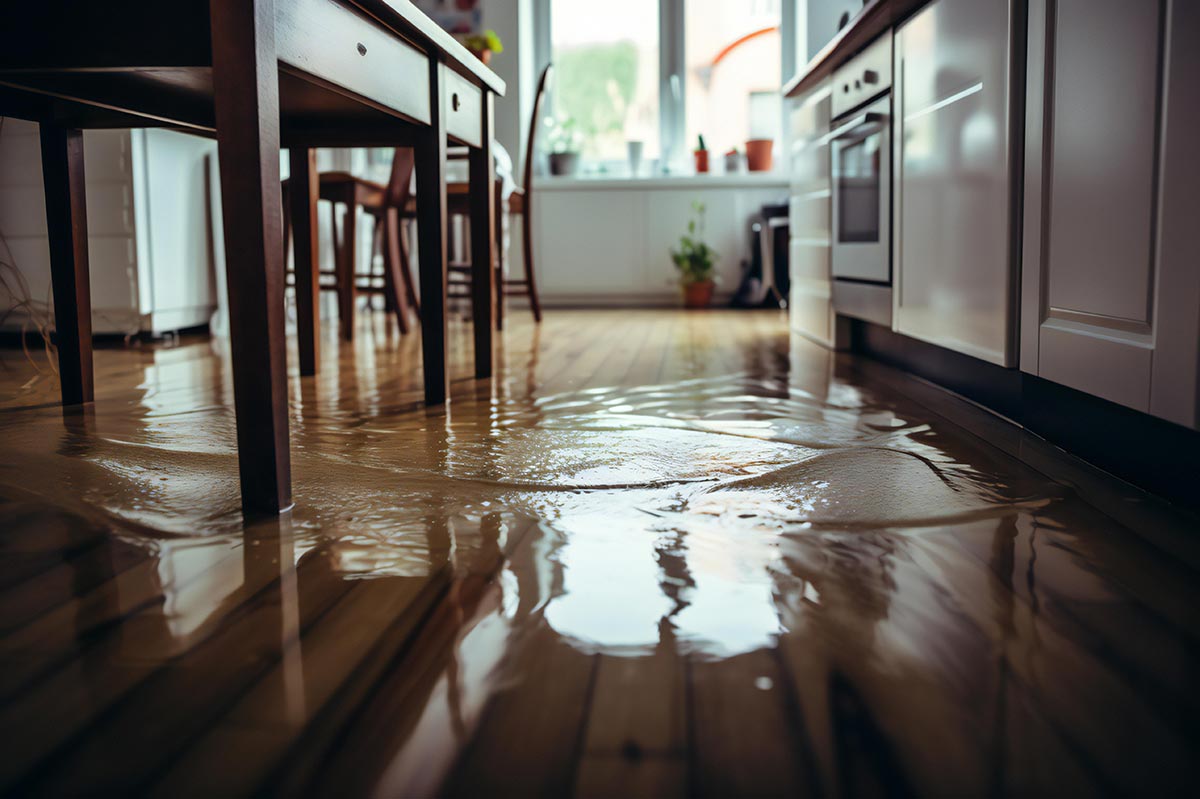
870,76
857,85
845,88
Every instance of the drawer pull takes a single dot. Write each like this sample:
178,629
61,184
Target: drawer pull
454,102
362,49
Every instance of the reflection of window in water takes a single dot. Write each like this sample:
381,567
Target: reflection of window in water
624,583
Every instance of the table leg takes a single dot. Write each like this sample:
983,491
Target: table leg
430,154
482,202
246,94
500,254
302,196
66,227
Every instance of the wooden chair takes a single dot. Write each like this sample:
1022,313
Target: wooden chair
520,202
387,205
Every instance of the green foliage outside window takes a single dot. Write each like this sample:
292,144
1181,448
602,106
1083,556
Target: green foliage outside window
594,87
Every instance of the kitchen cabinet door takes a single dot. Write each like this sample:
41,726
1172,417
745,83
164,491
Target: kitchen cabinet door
1111,297
810,217
952,248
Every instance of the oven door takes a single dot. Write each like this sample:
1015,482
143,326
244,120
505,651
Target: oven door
861,156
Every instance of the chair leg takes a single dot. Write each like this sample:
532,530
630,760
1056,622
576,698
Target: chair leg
527,241
379,247
287,227
410,285
391,267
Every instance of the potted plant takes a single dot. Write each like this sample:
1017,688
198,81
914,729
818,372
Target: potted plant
563,143
758,155
482,45
733,161
695,261
701,154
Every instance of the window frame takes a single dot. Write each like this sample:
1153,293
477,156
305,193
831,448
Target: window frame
672,63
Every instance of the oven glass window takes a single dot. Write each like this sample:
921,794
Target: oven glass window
858,190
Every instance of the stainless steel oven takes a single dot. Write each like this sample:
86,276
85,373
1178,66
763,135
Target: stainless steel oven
860,140
862,189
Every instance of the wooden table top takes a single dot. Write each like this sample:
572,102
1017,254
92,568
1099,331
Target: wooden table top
141,63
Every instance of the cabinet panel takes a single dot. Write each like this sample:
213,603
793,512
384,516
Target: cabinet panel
1105,95
1111,244
951,191
810,217
1175,382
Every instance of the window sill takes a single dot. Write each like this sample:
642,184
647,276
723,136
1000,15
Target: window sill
755,180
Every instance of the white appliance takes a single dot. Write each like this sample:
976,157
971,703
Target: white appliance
149,243
860,159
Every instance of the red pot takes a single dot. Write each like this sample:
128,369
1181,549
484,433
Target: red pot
698,295
701,160
758,155
483,55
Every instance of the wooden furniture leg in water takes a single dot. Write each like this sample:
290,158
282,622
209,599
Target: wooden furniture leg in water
483,239
431,237
302,200
66,228
246,95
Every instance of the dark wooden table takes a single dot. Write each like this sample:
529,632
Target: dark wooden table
257,75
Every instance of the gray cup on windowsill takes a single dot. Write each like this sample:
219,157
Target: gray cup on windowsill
564,164
634,149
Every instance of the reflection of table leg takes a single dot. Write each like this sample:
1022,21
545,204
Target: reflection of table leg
430,152
302,195
246,93
66,227
483,241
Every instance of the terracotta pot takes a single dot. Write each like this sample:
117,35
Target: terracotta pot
483,55
701,160
758,155
698,295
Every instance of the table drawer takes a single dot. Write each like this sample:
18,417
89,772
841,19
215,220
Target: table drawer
328,40
464,108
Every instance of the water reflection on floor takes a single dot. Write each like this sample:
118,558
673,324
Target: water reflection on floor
659,554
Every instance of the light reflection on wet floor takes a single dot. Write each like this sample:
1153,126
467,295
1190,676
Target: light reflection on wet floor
937,614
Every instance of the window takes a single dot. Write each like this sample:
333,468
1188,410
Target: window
733,58
606,74
663,72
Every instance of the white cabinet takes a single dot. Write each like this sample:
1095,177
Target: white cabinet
810,217
1111,297
147,214
952,250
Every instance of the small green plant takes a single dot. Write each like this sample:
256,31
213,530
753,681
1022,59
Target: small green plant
694,259
562,136
488,40
701,146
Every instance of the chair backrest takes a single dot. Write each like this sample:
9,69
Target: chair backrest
531,145
400,181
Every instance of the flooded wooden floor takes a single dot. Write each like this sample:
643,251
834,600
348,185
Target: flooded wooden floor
660,554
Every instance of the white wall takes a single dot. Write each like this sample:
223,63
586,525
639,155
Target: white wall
604,242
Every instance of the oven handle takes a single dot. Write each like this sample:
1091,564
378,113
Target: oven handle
849,129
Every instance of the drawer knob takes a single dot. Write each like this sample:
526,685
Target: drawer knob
454,101
362,49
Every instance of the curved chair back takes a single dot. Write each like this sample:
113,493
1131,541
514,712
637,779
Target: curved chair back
400,181
531,145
